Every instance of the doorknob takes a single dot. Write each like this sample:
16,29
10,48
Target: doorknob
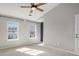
77,35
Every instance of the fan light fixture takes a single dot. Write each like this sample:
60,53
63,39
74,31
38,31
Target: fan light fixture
33,8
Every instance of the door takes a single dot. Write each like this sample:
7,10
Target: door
77,33
41,31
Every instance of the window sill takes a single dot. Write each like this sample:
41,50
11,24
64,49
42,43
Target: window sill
12,39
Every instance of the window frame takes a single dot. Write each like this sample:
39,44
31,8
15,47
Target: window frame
17,32
35,26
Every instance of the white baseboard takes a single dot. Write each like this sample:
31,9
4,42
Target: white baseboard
61,49
17,46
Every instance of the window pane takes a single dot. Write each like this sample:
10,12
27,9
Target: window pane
32,30
12,30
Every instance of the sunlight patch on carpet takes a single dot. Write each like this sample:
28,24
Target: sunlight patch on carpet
30,51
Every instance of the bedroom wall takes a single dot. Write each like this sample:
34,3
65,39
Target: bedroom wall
59,26
23,33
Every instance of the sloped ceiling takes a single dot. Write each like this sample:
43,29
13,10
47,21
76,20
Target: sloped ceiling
13,9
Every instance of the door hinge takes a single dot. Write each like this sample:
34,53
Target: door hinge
77,35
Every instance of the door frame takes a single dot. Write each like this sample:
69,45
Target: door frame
76,39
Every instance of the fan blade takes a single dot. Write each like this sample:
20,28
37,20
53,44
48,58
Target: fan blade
32,3
30,12
40,4
25,6
40,9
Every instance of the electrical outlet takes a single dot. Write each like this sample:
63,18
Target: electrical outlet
58,43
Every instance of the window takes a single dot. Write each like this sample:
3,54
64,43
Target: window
33,31
12,28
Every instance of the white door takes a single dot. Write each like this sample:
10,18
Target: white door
77,33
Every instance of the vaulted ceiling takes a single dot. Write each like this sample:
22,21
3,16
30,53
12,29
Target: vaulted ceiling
13,9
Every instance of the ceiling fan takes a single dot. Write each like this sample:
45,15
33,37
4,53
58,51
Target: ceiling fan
34,7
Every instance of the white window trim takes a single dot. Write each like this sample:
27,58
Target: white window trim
35,32
17,32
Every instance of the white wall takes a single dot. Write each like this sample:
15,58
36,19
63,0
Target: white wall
23,34
59,26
